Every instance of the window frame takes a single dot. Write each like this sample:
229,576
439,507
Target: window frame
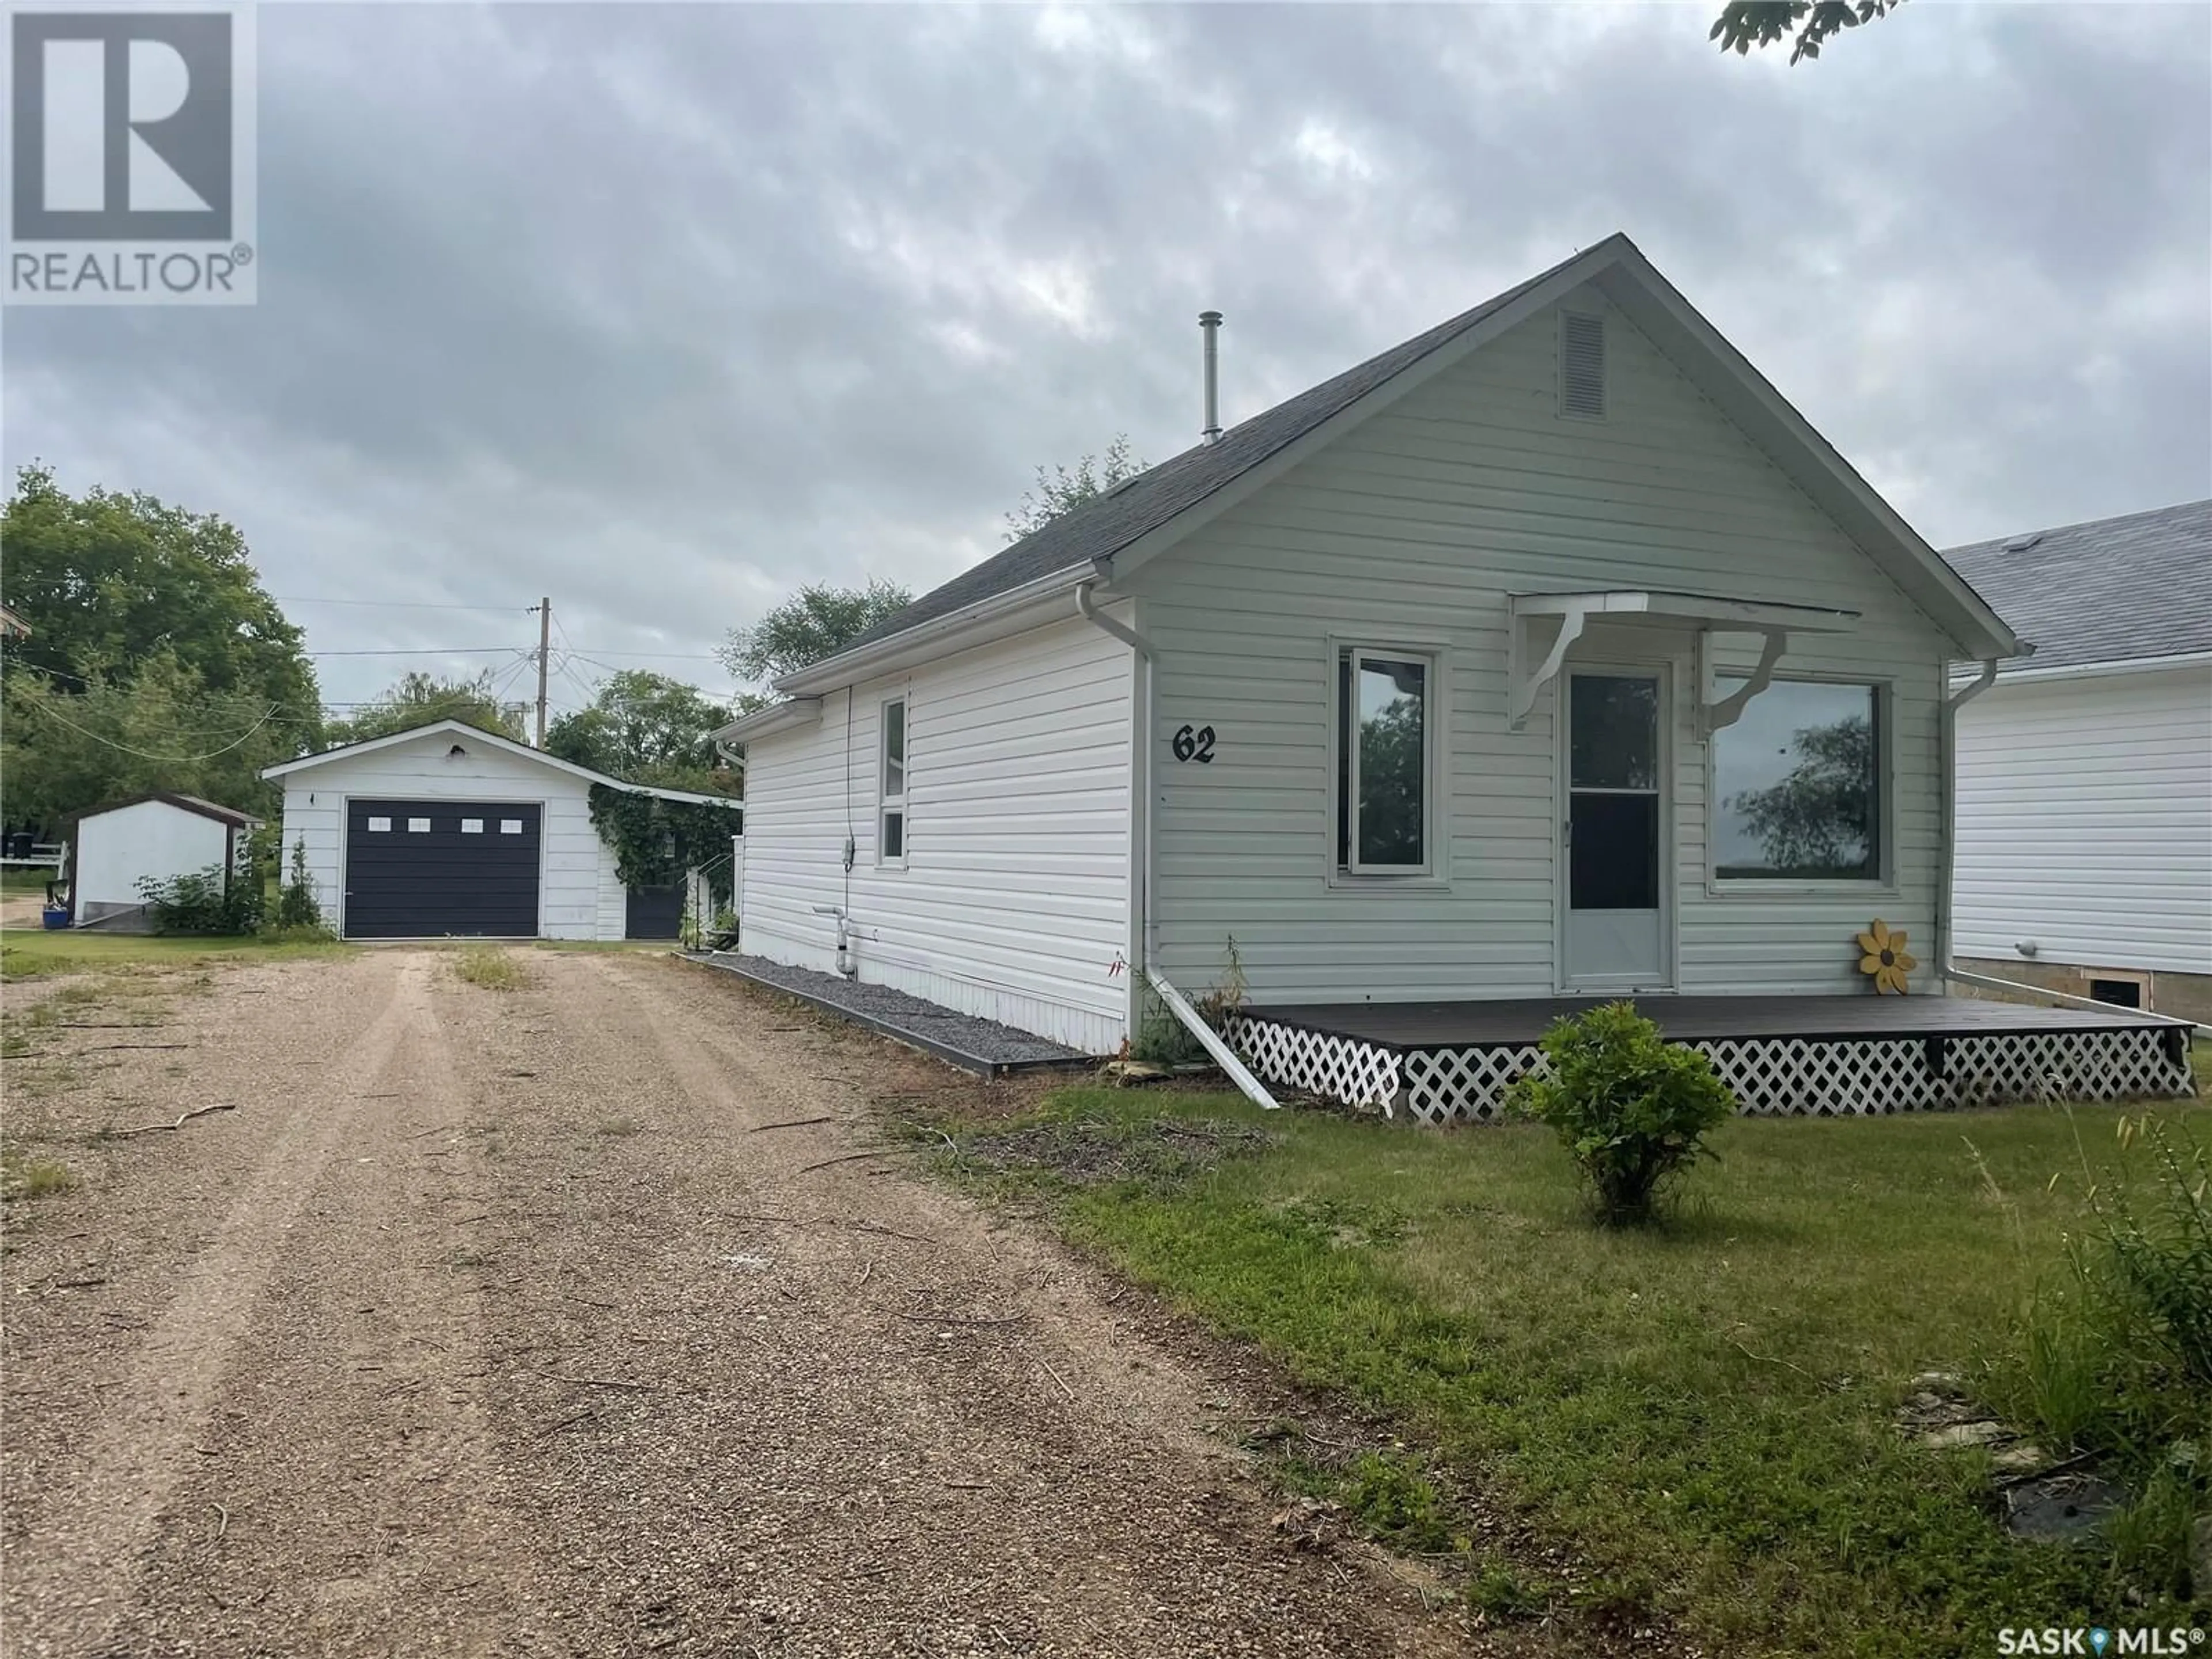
1883,882
1430,872
889,804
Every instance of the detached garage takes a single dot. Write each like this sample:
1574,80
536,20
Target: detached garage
445,830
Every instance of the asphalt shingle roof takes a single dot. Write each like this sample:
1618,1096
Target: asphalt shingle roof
2109,590
1108,523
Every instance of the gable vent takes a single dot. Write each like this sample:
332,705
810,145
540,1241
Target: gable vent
1581,366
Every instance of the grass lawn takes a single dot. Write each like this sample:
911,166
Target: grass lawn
16,879
32,953
1703,1414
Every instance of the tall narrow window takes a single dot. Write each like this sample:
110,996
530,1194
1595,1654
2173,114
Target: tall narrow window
1383,786
1797,784
890,839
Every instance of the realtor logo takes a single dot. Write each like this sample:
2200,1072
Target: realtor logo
129,168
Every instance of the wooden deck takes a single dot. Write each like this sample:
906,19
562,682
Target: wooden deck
1517,1021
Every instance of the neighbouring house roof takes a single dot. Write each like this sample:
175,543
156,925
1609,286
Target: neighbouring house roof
206,809
1141,516
2123,590
462,729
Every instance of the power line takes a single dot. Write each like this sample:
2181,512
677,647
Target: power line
422,651
403,604
168,759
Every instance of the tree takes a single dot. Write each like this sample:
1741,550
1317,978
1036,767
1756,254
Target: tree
1744,24
1818,821
816,621
68,748
1060,490
418,698
155,658
645,727
108,581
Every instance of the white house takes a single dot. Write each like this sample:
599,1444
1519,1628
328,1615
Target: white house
444,830
2085,772
1550,651
154,837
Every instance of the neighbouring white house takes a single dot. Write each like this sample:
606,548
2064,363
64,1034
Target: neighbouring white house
1549,652
154,837
2085,772
446,830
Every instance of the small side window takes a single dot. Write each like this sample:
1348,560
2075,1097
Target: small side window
891,829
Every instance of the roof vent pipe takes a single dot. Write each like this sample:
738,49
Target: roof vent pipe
1209,323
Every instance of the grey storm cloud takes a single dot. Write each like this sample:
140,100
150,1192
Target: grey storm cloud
666,310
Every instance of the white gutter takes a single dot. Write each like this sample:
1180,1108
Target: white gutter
2082,671
776,717
1224,1056
1140,789
1988,982
849,668
1947,756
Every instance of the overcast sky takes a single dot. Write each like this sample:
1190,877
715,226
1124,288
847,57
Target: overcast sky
664,311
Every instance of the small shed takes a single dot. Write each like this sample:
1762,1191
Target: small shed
158,837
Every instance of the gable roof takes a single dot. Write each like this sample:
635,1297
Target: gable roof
206,809
1140,515
2118,590
505,745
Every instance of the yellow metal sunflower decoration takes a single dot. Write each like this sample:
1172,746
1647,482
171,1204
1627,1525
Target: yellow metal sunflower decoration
1886,958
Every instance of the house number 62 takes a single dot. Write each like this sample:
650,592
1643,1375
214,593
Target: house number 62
1189,746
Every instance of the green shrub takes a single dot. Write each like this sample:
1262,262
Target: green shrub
209,900
1632,1107
1163,1040
297,910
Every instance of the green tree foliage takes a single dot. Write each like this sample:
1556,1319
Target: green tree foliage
155,659
107,581
1061,489
816,621
64,750
418,699
1631,1107
1818,821
646,728
1806,24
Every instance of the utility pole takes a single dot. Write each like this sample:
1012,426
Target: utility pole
544,651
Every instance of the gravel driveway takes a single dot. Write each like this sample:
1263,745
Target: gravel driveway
502,1323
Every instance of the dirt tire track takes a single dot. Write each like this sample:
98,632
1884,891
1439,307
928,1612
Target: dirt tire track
547,1354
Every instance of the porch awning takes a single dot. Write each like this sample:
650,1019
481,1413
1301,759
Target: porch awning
1529,674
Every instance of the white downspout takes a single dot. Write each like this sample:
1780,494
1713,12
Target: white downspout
1140,780
1947,757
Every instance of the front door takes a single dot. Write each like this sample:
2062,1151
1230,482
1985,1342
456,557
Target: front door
1614,831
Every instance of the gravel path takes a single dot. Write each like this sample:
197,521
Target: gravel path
510,1323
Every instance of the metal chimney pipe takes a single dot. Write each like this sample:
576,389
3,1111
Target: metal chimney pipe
1210,323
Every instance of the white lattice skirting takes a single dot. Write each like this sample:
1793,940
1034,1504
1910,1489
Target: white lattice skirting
1771,1076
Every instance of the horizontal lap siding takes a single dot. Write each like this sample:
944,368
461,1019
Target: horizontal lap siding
569,895
2085,821
1414,528
1013,904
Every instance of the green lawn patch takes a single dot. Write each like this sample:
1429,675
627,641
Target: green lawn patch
1705,1414
32,953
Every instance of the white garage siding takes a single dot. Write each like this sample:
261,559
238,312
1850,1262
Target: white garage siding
580,895
2085,821
1014,901
1414,529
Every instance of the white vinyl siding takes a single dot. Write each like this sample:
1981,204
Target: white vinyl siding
580,895
2085,821
150,839
1416,526
1013,904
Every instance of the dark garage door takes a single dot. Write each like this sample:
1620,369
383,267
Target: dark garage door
655,913
418,869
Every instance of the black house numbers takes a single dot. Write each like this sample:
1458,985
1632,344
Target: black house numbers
1194,745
